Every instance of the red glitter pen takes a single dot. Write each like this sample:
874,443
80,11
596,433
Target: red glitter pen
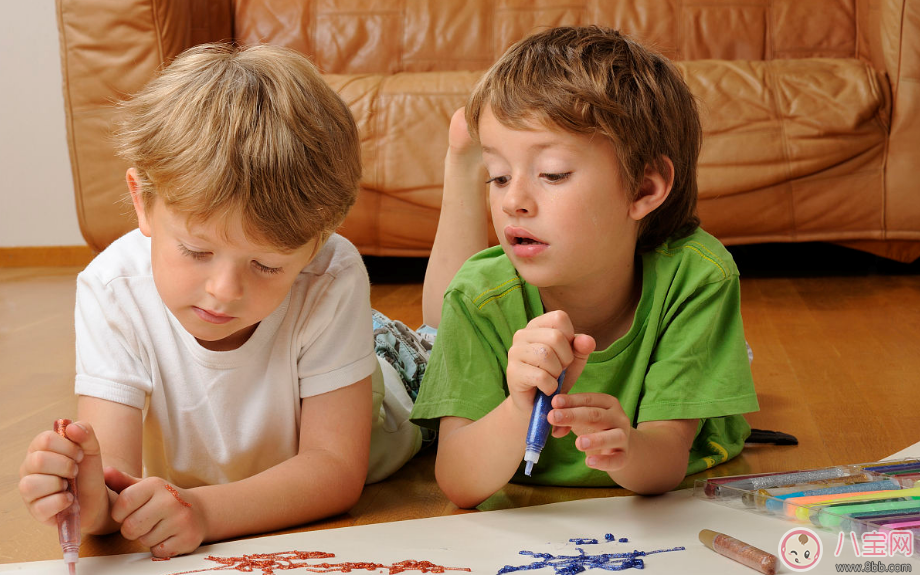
68,520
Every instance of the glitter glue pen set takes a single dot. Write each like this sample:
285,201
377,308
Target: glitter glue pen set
882,496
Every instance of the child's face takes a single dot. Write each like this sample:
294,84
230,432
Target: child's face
558,207
219,288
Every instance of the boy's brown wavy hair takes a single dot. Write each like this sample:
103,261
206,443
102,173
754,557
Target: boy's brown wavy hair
591,80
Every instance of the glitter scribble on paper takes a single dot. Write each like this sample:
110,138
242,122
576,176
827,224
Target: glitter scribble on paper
270,563
572,564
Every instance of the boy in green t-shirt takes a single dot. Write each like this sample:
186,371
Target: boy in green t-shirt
590,142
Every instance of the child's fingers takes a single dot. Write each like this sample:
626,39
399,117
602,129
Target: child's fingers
537,354
51,442
48,463
81,433
581,417
173,536
37,485
166,523
117,480
178,544
561,430
156,536
543,347
558,320
593,400
45,496
129,502
609,463
167,548
588,412
524,377
45,510
458,136
91,490
609,441
582,346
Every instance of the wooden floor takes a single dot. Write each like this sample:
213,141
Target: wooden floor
835,333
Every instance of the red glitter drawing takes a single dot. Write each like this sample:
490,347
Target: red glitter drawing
268,563
175,494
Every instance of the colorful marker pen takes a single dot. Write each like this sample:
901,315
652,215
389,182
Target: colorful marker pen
68,520
539,427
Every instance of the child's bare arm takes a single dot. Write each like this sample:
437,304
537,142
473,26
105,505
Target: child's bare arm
477,458
325,478
651,458
463,227
662,451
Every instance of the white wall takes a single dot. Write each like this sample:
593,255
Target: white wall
36,190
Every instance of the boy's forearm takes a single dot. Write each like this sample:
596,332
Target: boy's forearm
310,486
463,230
480,458
657,461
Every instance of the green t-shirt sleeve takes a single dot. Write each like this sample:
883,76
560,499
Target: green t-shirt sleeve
465,373
700,367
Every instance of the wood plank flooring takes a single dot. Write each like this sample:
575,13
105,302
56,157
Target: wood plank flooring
835,333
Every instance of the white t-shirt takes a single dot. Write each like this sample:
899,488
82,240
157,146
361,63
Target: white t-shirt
215,417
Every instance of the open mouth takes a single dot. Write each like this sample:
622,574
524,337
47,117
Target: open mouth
519,241
521,237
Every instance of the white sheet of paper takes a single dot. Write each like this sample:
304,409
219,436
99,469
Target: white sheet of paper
487,541
912,451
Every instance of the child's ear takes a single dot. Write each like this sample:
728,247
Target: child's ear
137,198
653,189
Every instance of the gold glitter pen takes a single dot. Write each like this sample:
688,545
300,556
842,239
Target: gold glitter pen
739,551
68,520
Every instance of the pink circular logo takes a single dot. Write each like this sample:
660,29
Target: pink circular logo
800,549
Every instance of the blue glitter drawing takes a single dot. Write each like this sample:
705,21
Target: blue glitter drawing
572,564
624,540
610,537
579,541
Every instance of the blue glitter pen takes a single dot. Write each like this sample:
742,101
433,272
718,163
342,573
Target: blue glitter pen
539,427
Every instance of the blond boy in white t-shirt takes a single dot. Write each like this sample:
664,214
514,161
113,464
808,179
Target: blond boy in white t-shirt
226,371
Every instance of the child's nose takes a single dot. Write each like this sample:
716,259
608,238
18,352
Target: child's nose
518,200
226,284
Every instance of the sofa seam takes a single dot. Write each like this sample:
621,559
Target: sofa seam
311,30
157,28
401,55
374,111
872,79
772,82
68,118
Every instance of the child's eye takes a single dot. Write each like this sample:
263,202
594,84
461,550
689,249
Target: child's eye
267,270
192,254
555,178
498,181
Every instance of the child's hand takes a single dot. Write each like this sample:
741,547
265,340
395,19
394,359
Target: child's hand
603,429
538,355
50,461
168,520
460,144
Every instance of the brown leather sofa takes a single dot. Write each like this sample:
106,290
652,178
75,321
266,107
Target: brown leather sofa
810,108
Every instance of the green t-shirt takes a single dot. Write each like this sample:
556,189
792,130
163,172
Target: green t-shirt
683,358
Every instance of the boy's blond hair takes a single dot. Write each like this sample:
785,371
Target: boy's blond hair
593,80
254,133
